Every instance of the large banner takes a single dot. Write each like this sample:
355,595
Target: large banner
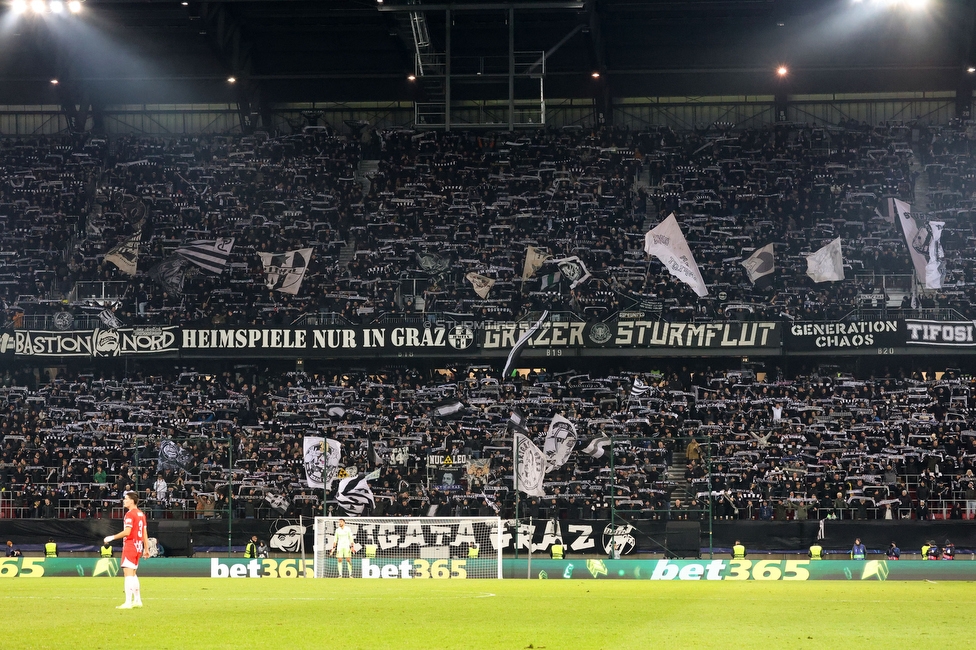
951,334
124,341
853,335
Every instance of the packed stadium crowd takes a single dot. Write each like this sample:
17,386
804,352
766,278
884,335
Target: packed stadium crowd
818,445
401,234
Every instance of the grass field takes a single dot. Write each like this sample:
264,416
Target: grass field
488,614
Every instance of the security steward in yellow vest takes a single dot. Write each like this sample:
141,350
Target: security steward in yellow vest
105,550
251,550
50,549
556,550
473,551
738,551
816,552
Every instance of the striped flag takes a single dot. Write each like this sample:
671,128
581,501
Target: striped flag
639,388
523,341
597,447
209,255
109,319
354,495
549,280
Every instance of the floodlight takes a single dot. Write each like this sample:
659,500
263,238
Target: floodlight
54,82
19,6
74,6
782,71
595,74
38,6
231,80
56,6
411,77
970,69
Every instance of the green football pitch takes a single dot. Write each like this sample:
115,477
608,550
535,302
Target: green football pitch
486,614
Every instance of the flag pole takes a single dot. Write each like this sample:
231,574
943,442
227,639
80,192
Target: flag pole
515,483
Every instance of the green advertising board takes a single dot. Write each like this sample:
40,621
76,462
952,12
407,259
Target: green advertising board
575,569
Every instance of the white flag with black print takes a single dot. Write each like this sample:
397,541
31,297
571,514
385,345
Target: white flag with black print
935,264
596,447
126,255
560,442
534,259
826,264
481,284
321,461
760,264
210,255
354,495
573,269
530,466
285,271
666,243
513,355
109,319
278,502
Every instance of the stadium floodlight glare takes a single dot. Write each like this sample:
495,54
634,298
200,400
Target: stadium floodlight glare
38,6
970,69
56,6
411,77
54,82
782,71
231,80
74,6
595,74
19,6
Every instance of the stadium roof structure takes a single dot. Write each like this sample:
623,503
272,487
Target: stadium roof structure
155,51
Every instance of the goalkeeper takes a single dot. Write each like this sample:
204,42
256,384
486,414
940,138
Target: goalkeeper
342,546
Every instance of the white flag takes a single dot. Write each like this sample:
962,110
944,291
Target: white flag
597,447
354,494
910,229
126,255
935,265
210,255
826,264
481,284
666,243
534,259
530,467
760,264
285,271
321,460
560,442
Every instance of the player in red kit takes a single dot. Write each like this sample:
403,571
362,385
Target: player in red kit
134,547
